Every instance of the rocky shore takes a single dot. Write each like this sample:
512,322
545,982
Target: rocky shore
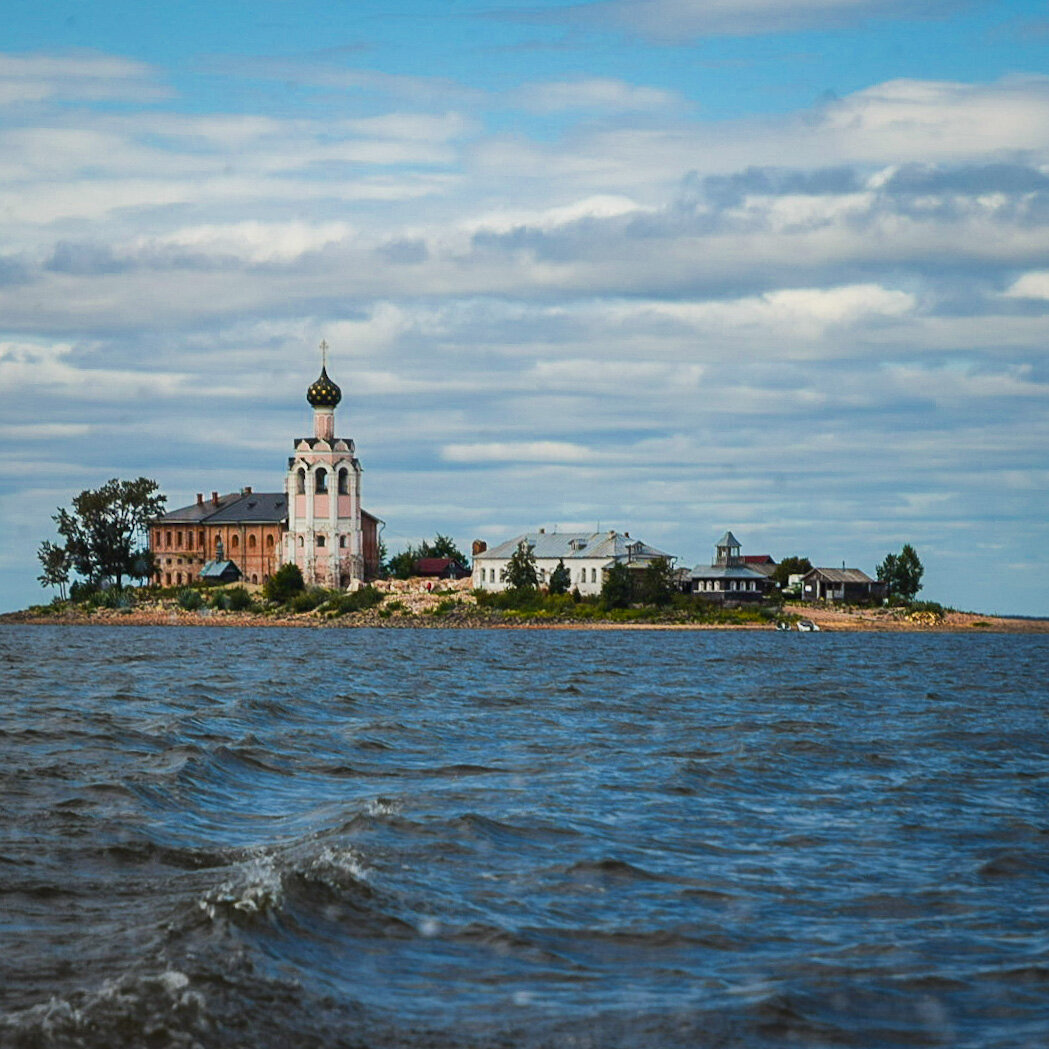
451,605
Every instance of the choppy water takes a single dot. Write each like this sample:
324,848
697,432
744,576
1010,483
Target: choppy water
263,838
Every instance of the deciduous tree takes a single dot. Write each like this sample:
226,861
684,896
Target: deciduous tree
56,566
657,582
105,533
791,566
401,565
902,573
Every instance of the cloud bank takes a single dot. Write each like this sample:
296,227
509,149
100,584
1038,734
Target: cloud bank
826,331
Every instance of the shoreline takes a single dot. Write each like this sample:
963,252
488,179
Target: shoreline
830,620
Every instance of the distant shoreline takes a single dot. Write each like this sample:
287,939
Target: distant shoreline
831,620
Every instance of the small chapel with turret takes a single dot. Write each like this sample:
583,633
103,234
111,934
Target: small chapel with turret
317,522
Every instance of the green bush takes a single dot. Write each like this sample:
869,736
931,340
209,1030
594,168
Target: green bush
238,599
308,600
190,600
81,592
284,584
354,601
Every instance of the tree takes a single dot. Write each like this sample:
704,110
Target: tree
520,573
401,565
791,566
657,582
902,573
617,591
284,584
106,524
560,579
56,565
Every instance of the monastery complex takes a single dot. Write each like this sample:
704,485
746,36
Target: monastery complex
316,522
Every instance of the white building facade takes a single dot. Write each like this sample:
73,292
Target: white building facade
586,555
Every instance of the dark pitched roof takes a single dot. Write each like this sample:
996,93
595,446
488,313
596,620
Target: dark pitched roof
196,512
254,508
726,572
436,566
840,575
217,569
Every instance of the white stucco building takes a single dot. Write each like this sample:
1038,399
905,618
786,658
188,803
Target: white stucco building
587,555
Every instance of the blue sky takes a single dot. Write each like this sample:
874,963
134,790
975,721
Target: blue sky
663,266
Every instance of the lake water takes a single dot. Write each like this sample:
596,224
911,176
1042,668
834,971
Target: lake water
426,838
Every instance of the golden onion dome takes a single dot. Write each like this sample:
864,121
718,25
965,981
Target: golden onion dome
323,393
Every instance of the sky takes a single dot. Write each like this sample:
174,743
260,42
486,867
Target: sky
665,266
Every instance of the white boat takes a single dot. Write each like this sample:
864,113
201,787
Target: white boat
806,625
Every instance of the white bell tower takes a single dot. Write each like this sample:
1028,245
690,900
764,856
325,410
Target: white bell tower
323,486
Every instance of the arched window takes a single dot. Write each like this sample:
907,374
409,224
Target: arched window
301,543
321,482
234,542
251,542
320,540
254,578
342,541
344,481
300,482
201,538
269,542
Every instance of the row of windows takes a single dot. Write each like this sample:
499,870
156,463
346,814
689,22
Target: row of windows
174,540
491,575
322,540
234,541
730,584
320,481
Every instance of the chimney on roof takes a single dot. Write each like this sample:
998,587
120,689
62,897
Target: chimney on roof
479,546
542,531
626,535
215,498
200,498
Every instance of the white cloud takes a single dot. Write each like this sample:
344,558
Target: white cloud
681,20
83,76
593,93
517,452
255,242
1033,285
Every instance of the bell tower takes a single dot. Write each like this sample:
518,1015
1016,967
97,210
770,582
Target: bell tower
323,488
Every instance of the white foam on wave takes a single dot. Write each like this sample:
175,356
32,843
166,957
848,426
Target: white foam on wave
256,887
340,861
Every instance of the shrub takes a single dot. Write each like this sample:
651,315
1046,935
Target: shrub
239,599
81,592
190,600
355,601
308,600
284,584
